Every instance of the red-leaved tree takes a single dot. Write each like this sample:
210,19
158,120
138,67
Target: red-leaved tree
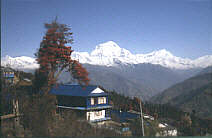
54,55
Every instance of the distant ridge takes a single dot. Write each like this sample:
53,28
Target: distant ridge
191,94
183,87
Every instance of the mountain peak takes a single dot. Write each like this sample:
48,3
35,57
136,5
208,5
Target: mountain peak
162,52
22,62
107,49
108,44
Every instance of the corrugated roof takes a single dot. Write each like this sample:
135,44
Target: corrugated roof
76,90
87,108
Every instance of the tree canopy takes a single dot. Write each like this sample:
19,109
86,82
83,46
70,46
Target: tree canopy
54,55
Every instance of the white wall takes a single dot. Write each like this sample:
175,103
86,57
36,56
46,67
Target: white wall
95,115
167,133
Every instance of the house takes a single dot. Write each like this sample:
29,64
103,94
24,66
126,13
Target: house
90,102
9,75
12,77
208,134
166,130
146,116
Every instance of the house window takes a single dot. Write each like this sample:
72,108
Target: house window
101,100
95,101
92,101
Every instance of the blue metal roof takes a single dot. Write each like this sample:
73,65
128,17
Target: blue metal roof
124,116
86,108
75,90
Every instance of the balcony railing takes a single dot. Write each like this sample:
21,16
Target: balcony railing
101,119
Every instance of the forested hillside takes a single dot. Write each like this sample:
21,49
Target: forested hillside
198,101
182,88
190,95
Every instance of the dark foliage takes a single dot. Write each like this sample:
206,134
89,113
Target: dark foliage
177,117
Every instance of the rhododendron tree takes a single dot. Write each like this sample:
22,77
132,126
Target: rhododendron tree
54,55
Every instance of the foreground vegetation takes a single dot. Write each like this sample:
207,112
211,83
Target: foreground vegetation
36,121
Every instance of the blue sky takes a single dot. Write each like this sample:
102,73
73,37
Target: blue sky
183,27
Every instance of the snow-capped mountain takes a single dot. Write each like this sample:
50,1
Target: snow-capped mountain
20,63
110,54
